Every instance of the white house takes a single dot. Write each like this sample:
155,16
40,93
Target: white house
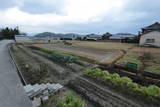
151,35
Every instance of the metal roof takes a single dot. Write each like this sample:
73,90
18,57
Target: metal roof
122,36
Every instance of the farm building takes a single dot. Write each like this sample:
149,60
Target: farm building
46,38
150,35
93,37
121,37
68,36
21,37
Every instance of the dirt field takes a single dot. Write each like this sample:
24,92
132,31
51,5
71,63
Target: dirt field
104,45
101,56
57,72
93,94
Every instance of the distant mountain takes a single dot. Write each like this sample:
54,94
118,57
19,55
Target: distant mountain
50,34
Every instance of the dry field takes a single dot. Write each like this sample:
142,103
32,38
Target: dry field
100,56
109,52
104,45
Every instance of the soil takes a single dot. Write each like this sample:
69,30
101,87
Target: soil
58,73
101,56
94,94
104,96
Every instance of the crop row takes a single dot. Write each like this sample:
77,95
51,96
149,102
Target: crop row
56,56
151,93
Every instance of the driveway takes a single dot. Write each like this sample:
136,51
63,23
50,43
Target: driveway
12,93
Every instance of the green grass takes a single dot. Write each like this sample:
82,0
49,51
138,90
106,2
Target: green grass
131,57
152,65
153,68
70,100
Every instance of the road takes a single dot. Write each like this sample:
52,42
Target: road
12,93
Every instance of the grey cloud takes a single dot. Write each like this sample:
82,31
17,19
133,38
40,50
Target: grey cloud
4,4
43,6
149,9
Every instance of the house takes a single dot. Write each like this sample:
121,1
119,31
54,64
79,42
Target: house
93,37
150,35
121,37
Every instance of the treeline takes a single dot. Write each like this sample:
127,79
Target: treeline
9,33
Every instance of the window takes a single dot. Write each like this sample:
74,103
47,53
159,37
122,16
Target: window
150,40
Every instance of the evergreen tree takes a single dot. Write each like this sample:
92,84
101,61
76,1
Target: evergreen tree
9,33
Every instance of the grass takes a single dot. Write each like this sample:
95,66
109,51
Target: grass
153,68
150,65
71,100
64,98
131,57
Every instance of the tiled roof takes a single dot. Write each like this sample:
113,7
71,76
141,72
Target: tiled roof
155,26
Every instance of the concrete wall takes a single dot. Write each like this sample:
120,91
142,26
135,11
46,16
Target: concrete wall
151,35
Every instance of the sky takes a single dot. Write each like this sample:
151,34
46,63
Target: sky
79,16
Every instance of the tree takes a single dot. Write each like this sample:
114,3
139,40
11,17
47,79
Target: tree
106,36
9,33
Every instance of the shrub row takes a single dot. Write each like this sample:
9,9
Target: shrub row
59,57
70,101
67,43
151,93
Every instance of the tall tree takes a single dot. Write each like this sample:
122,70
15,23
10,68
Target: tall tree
9,33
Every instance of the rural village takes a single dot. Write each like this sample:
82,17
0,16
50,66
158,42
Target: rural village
108,70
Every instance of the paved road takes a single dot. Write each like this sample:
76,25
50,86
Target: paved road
11,90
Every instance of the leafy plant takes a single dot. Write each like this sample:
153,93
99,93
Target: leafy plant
70,101
56,56
126,84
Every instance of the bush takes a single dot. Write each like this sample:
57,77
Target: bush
70,101
126,84
67,43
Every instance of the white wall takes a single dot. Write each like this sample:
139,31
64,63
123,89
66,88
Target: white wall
151,35
22,38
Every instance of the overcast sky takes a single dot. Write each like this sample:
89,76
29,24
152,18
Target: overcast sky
79,16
